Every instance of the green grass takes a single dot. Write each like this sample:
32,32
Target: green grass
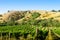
56,30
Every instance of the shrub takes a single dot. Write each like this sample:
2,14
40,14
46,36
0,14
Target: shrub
35,15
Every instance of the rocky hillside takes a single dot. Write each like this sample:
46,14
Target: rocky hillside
25,15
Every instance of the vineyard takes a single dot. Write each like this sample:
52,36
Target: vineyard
30,29
25,31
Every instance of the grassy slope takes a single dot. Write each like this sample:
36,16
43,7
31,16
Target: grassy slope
44,15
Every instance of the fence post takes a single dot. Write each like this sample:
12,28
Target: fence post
37,30
1,35
6,36
9,35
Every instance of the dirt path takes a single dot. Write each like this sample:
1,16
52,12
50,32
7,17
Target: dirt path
49,37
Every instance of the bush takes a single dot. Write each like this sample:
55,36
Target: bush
2,24
35,15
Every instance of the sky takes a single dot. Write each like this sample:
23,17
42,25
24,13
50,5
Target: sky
6,5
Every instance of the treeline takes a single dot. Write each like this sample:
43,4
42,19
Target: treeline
55,10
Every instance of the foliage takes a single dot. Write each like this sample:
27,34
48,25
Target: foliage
22,30
35,15
58,10
54,11
11,21
3,24
56,30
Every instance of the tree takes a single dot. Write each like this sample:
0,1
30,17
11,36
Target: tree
58,10
54,11
35,15
8,10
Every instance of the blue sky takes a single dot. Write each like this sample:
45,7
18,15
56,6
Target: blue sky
6,5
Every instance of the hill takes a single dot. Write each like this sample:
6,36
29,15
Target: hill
21,15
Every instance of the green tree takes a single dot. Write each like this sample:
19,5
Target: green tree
53,10
35,15
58,10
